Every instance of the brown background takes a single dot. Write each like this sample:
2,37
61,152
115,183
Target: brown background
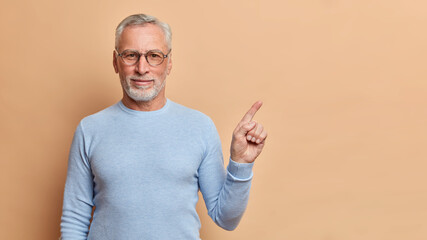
344,90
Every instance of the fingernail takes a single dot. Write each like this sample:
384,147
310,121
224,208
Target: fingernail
249,137
258,141
253,139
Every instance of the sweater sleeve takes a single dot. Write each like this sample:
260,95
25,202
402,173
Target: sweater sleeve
226,192
78,193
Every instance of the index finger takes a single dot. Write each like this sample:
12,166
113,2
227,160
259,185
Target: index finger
251,113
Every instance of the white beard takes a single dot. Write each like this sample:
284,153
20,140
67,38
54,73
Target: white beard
142,93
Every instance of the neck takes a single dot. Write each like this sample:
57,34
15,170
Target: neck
153,105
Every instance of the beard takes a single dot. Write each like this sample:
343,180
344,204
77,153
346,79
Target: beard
142,93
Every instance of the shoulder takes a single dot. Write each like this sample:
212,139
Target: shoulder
100,118
189,115
195,124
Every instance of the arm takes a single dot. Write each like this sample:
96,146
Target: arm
78,193
226,193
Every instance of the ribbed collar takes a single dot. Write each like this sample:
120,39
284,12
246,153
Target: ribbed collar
144,113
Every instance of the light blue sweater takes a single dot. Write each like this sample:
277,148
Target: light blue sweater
142,171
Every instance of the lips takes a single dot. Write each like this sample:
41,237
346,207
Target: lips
142,82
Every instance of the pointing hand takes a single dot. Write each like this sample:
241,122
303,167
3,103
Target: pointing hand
248,137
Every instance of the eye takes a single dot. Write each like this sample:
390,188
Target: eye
130,55
154,55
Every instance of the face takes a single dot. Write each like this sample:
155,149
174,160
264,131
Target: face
141,81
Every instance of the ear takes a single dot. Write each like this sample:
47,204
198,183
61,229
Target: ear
169,67
116,69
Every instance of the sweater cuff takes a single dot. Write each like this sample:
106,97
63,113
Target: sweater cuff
240,171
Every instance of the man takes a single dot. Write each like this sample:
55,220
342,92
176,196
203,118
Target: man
142,161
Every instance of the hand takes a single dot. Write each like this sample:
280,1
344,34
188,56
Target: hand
248,137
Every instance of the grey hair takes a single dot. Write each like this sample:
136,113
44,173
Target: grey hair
142,19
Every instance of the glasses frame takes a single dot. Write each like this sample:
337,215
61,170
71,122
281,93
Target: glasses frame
145,56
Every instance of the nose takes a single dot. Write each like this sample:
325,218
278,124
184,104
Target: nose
142,66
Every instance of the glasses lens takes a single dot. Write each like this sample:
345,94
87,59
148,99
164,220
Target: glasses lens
130,57
154,58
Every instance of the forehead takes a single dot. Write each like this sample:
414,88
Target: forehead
142,38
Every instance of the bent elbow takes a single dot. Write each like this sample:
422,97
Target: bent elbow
229,224
229,228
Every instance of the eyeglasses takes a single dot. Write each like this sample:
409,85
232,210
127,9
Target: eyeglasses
153,57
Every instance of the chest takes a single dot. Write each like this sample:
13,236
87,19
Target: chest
145,156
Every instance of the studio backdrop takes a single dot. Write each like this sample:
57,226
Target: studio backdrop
343,84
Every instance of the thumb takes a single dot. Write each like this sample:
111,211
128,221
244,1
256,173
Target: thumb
245,128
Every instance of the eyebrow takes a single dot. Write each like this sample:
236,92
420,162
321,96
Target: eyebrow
151,50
